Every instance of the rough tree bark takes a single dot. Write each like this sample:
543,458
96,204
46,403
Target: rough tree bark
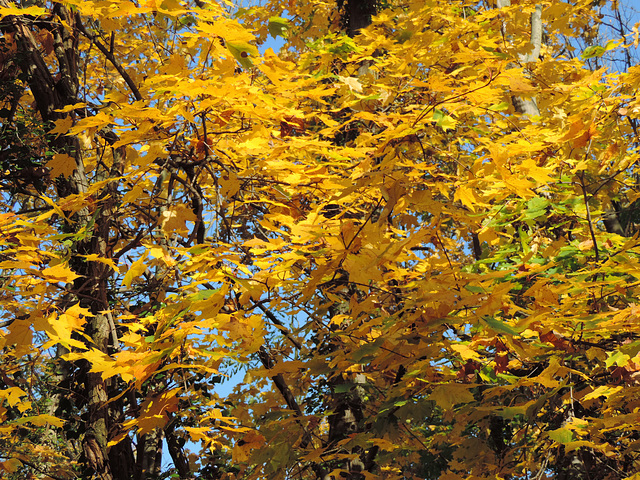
54,91
356,14
348,407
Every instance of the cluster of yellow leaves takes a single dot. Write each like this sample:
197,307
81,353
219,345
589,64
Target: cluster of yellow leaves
340,183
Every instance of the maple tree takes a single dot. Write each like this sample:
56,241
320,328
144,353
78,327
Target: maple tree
412,228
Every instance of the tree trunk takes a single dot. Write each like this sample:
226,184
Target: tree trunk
356,14
528,106
176,451
53,92
348,407
149,453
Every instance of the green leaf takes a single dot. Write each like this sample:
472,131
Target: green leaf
278,26
198,249
367,350
593,51
203,294
404,35
616,358
499,326
488,374
512,412
561,435
443,120
242,52
611,44
474,289
187,20
343,388
499,107
524,240
536,207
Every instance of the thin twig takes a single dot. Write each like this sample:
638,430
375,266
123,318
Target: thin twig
586,204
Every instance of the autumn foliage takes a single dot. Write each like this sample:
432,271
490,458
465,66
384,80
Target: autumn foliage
409,235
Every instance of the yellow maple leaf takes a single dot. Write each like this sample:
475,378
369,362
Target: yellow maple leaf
601,391
466,196
521,85
42,420
162,254
155,411
94,257
133,365
148,423
21,335
239,454
96,121
446,396
13,395
60,328
61,164
74,317
59,273
55,210
175,218
465,352
11,9
11,465
137,268
62,126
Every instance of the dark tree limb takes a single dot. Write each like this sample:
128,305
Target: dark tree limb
108,53
176,451
269,362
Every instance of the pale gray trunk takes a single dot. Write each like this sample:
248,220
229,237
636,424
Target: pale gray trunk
528,106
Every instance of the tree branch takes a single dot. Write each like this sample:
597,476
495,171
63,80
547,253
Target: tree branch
109,55
269,362
175,450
